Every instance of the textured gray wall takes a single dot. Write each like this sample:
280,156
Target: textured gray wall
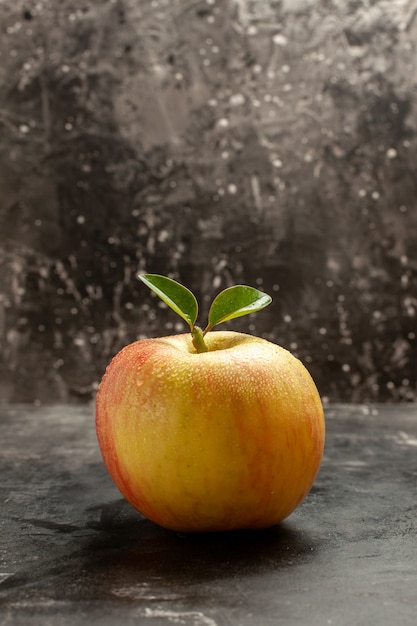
265,142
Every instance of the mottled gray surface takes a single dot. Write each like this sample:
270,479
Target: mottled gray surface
73,552
270,142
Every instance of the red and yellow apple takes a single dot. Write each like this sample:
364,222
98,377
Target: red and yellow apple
230,438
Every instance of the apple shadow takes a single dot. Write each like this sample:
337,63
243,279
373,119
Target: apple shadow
133,548
115,553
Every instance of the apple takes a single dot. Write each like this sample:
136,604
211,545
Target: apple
210,431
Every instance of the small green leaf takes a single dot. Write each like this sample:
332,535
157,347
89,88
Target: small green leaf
234,302
179,298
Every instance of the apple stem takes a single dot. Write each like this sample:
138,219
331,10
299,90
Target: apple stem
198,340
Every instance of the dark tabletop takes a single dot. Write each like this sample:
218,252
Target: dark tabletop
73,552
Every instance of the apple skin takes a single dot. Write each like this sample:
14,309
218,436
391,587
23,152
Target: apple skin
227,439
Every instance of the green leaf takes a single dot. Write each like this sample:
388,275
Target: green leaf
235,302
176,296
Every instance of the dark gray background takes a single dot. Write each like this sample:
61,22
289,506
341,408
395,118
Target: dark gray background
271,143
